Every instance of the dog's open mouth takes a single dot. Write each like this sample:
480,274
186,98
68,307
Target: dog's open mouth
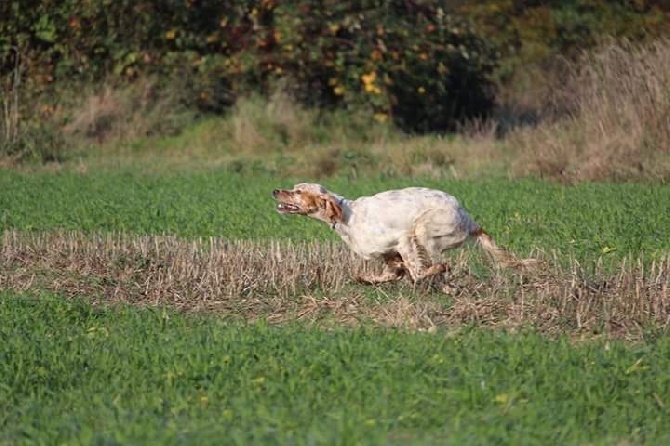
288,208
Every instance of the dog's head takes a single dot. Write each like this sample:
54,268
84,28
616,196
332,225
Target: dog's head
310,199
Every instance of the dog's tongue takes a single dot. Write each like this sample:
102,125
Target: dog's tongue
283,207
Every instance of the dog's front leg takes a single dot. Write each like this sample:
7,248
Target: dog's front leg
394,270
386,276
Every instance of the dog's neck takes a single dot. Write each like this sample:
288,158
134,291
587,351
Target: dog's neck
342,227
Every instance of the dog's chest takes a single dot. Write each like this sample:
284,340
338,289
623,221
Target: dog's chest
371,239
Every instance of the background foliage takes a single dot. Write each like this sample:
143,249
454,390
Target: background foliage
535,31
422,63
388,56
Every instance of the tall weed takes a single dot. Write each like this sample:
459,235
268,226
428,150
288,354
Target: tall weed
24,134
616,120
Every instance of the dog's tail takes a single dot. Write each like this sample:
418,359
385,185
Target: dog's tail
500,255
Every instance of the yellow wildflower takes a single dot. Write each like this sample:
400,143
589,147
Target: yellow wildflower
381,117
369,78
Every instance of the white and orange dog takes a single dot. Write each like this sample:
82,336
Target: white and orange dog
407,228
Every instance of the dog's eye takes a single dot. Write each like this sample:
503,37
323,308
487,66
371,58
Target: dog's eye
298,192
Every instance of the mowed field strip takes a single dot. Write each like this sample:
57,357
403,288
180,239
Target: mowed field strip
284,281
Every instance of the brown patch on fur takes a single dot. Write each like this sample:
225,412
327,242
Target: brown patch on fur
477,232
306,201
333,210
311,202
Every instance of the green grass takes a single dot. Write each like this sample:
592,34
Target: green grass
71,373
584,220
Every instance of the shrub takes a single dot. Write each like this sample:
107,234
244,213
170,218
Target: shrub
24,136
422,67
532,32
409,61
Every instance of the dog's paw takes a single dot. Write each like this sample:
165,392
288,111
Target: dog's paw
363,279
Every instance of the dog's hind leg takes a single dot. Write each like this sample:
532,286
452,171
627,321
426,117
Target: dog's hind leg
417,260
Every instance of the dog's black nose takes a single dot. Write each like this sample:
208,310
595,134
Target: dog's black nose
275,192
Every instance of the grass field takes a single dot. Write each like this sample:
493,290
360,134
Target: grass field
587,220
150,294
180,308
72,373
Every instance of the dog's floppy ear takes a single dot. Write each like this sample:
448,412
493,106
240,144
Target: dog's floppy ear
333,210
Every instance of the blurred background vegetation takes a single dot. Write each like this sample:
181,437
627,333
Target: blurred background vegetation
290,75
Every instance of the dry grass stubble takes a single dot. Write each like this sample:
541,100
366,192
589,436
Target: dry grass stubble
284,281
